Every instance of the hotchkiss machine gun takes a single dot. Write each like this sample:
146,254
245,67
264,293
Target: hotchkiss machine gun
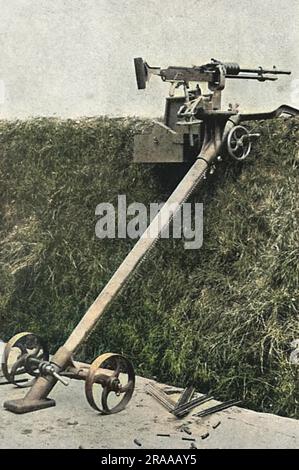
195,130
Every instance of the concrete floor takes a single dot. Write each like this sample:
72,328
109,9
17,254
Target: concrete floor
73,424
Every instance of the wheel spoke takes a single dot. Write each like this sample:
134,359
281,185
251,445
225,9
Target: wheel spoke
117,369
127,387
17,365
104,399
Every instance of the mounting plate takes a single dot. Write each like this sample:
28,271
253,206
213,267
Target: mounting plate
22,405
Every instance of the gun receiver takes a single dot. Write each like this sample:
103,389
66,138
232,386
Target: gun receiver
214,73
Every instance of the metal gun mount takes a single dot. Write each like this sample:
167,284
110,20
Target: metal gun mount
194,128
190,119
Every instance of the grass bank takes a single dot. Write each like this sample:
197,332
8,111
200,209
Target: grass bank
222,317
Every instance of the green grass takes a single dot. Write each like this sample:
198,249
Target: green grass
221,317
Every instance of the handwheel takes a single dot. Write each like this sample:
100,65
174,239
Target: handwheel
239,143
110,383
21,356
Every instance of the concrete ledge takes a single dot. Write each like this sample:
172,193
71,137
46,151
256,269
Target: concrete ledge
73,424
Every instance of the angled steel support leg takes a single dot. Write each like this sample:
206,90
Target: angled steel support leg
216,130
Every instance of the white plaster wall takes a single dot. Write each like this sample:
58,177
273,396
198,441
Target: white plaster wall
72,58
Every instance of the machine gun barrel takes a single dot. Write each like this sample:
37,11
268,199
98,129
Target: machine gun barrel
259,74
259,77
273,71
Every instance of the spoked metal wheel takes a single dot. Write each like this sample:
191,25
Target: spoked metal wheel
110,383
21,357
239,143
